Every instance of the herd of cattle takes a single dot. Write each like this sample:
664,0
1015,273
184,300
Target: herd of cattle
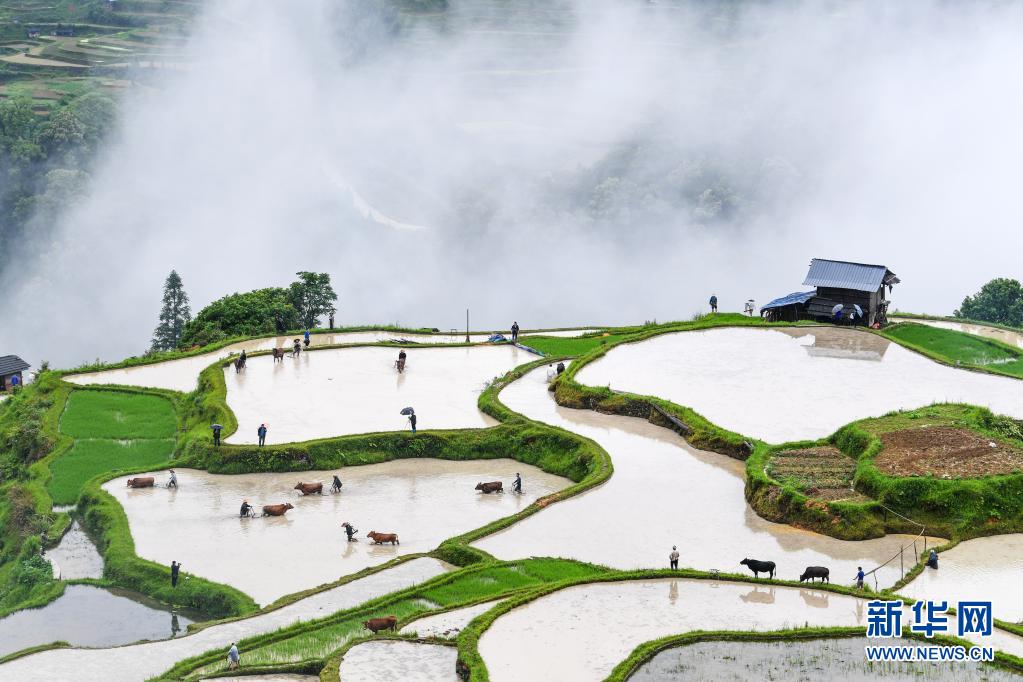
768,567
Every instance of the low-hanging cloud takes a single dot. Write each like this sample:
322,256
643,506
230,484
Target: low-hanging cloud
550,162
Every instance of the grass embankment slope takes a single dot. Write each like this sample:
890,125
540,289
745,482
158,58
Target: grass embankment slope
959,348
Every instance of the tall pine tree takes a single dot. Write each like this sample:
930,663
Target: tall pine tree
173,316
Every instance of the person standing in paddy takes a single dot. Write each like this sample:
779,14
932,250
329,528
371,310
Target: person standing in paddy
673,557
261,432
306,338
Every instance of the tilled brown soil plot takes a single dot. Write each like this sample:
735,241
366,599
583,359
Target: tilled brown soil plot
946,452
822,472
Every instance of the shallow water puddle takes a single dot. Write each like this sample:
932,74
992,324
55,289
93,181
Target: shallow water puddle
449,623
141,661
407,661
424,501
93,617
826,659
570,634
662,493
793,384
357,390
75,557
283,677
986,569
1004,335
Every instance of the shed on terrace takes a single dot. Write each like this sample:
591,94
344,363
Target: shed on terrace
848,284
11,366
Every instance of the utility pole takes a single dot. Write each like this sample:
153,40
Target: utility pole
467,325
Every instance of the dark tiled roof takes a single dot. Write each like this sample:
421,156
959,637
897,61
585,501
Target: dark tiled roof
10,364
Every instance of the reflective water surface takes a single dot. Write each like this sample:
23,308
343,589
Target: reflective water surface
357,390
793,384
664,492
447,624
424,501
75,557
139,662
407,661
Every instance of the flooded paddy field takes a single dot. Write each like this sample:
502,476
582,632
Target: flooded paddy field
664,492
139,662
828,377
407,661
567,635
88,616
1012,338
424,501
357,390
447,624
283,677
987,569
75,557
183,374
816,659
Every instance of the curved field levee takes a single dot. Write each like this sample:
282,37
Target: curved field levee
567,635
795,384
1008,336
665,492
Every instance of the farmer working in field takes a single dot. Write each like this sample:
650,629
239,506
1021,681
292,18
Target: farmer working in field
246,508
713,303
336,487
517,485
173,482
306,338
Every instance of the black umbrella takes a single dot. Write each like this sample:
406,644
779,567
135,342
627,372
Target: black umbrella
408,411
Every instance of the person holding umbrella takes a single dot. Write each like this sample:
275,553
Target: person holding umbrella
411,414
836,313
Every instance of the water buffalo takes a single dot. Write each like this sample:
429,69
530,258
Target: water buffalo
812,572
276,509
381,538
758,567
310,488
378,624
278,354
141,482
492,487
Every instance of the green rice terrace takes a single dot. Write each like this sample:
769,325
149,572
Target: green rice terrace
481,584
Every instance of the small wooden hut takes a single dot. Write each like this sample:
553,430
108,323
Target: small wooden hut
11,366
849,284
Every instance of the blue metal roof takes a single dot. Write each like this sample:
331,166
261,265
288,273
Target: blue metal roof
844,275
798,297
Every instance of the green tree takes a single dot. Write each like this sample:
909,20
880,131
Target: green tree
174,315
62,132
263,311
1000,300
313,296
96,113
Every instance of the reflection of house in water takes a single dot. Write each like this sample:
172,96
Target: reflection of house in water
841,343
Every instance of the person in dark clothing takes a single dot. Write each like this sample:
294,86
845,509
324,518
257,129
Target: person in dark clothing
246,508
517,485
336,487
216,434
261,432
412,421
401,361
349,531
713,303
932,559
561,367
860,575
243,358
673,557
515,331
296,348
175,568
306,338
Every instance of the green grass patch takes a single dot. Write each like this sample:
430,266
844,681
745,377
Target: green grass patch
959,348
564,346
118,415
89,458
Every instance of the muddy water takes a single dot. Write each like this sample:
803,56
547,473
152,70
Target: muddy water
75,557
90,617
1012,338
796,384
581,633
357,390
826,659
182,375
447,624
406,661
142,661
424,501
985,569
663,493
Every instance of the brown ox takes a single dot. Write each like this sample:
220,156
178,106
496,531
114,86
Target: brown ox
492,487
378,624
141,482
381,538
276,509
310,488
278,354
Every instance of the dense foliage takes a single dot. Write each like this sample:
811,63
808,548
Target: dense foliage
174,314
44,161
1000,301
263,311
